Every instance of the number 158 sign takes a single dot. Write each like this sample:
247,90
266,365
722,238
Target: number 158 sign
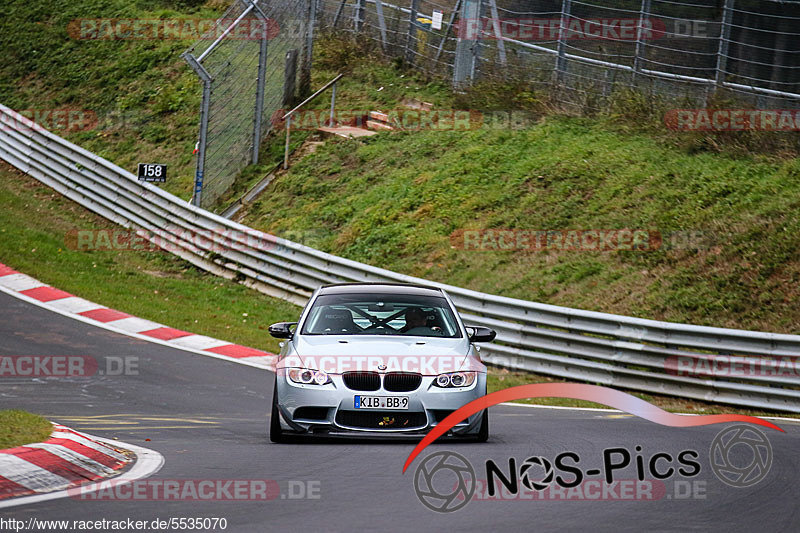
152,172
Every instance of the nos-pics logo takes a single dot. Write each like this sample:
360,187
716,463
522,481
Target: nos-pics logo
740,456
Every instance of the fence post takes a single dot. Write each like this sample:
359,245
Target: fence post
724,36
358,15
308,50
289,77
262,77
381,23
639,53
561,59
286,145
468,43
201,151
501,45
447,31
333,105
338,13
197,195
412,24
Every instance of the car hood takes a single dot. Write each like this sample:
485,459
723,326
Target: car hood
336,354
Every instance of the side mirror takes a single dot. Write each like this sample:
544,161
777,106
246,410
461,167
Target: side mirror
282,330
481,334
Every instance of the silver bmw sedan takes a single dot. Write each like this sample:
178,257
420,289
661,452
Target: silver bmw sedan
377,360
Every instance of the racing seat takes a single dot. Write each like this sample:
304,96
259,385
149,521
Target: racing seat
337,321
434,320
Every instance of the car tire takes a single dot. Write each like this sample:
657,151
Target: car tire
483,432
275,430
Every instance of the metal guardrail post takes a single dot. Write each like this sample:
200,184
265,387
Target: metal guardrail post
501,45
381,23
561,58
289,77
338,13
203,141
358,15
197,194
333,103
467,46
304,85
724,40
644,13
262,78
412,25
286,146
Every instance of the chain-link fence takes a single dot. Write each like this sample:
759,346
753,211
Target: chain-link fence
581,52
677,49
242,62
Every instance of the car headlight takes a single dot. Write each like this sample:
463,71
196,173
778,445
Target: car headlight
455,379
307,376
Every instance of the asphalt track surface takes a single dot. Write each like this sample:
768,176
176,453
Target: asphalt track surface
208,418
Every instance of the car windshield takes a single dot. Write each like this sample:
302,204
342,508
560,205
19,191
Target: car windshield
381,314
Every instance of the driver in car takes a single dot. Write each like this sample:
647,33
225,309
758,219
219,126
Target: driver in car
417,323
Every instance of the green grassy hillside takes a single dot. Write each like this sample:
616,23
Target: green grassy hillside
144,96
729,222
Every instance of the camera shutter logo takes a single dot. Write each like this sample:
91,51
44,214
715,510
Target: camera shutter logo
458,496
548,473
729,454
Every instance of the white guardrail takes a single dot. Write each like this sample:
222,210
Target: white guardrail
744,368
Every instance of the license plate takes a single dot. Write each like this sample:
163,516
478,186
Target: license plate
380,402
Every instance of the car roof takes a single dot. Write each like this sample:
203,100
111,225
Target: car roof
392,288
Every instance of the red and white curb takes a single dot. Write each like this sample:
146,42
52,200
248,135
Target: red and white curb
47,470
64,303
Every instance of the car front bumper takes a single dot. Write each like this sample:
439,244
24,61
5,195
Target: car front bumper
330,409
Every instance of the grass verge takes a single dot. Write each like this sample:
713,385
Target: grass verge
20,427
